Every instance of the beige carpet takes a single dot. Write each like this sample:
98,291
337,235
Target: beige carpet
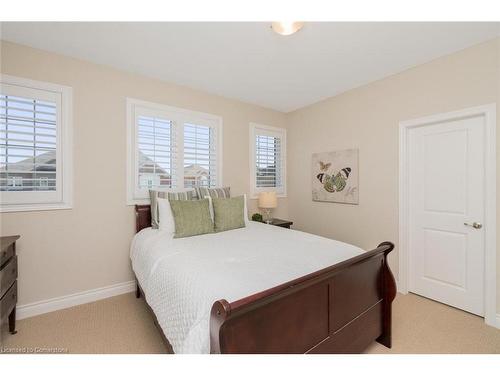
124,325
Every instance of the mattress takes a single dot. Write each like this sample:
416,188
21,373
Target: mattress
183,277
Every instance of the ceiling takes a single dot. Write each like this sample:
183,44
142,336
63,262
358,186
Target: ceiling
248,61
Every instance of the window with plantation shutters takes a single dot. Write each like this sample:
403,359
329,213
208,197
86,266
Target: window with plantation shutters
170,148
200,155
267,159
155,147
35,149
28,136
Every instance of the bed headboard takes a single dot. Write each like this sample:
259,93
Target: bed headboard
142,216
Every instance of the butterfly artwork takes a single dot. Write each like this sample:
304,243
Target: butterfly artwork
324,166
335,182
335,176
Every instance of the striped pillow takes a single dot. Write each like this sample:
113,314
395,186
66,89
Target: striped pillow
202,192
171,196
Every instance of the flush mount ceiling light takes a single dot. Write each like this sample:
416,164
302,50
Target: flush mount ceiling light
287,28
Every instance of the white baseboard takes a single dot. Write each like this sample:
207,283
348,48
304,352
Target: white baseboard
398,288
58,303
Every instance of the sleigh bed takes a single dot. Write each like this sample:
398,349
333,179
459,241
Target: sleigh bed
340,308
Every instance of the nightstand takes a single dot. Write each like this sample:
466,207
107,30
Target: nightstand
8,281
281,223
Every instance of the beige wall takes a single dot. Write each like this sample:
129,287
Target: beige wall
64,252
367,118
86,247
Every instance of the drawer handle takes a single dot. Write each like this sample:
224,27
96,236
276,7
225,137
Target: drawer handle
4,253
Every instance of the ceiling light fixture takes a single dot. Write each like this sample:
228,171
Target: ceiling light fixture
287,28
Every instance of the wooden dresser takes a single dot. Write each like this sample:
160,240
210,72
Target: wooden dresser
8,281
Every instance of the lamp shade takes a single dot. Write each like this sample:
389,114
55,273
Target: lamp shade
268,200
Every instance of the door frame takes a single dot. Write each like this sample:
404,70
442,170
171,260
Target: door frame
490,271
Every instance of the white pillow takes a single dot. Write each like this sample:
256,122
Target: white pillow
210,206
245,210
166,219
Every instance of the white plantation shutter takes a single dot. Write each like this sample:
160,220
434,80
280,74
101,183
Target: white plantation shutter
35,145
28,144
156,152
267,159
200,155
170,148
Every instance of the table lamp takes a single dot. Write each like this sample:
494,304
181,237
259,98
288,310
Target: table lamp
268,201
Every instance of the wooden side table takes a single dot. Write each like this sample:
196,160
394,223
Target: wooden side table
281,223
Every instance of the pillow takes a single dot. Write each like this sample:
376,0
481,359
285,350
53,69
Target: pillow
165,194
210,207
165,217
228,213
245,210
213,192
191,217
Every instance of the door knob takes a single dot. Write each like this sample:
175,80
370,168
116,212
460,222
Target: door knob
475,225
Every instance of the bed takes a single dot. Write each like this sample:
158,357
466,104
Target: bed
263,289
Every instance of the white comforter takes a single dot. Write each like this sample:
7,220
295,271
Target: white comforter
183,277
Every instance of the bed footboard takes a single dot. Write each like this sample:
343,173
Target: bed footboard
340,309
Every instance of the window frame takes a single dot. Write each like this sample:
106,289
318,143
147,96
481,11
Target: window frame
178,116
255,129
62,197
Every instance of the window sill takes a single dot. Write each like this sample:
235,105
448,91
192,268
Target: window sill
256,196
35,207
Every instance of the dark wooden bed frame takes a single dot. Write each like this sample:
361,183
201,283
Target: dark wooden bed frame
339,309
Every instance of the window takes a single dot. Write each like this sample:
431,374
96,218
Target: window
154,143
170,148
35,145
200,155
267,159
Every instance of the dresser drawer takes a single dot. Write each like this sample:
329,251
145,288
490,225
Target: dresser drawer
8,302
6,254
8,274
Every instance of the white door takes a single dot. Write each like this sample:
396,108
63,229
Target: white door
446,177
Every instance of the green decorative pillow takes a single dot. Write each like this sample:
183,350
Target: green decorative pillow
228,213
191,217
